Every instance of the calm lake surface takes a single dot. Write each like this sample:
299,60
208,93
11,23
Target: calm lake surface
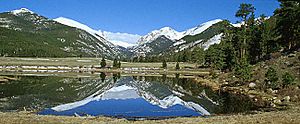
120,96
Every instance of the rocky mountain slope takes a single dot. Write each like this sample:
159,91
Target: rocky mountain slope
27,34
168,40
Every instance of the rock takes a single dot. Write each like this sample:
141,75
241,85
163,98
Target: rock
269,91
273,105
287,98
60,89
292,55
277,101
251,96
252,85
275,91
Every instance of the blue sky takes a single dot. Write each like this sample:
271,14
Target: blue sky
139,16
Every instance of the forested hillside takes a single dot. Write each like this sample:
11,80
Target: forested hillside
27,34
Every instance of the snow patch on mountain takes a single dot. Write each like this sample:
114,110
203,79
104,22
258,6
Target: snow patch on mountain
174,35
75,24
22,10
120,88
200,28
179,42
214,40
120,39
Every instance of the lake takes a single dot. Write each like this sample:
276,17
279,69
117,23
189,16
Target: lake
117,95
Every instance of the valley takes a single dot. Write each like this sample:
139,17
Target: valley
54,69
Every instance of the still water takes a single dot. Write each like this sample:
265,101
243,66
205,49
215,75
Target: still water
119,96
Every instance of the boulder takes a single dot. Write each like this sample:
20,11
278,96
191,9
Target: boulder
287,98
292,55
277,101
252,85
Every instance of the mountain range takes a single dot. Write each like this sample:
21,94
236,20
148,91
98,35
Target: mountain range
25,33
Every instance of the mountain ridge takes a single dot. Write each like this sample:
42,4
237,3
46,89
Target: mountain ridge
37,36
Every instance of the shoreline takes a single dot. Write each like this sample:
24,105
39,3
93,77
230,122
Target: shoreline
289,116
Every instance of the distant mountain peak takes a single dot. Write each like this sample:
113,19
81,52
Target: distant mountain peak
166,31
22,10
175,35
120,39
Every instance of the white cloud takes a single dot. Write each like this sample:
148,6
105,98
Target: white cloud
121,39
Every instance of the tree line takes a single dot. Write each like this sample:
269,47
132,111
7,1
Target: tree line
255,40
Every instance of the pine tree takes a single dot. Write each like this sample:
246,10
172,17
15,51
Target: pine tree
115,63
177,66
244,11
215,57
102,76
103,63
198,55
271,78
119,64
164,64
287,79
243,70
288,26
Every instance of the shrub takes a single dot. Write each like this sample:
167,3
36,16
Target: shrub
271,78
243,70
287,79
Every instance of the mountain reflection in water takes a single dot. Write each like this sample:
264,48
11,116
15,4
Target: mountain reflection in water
127,98
118,96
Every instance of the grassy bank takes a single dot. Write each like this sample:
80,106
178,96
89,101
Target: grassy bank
87,62
92,65
289,116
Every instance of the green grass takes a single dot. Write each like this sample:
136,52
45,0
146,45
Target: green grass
143,68
71,62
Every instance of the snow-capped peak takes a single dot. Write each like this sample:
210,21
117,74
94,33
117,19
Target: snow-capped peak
200,28
120,39
166,31
22,10
95,33
175,35
72,23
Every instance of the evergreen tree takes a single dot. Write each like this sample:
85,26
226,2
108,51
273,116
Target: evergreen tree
115,63
244,11
243,70
102,76
198,56
103,63
271,78
119,64
288,23
164,64
215,57
177,66
287,79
